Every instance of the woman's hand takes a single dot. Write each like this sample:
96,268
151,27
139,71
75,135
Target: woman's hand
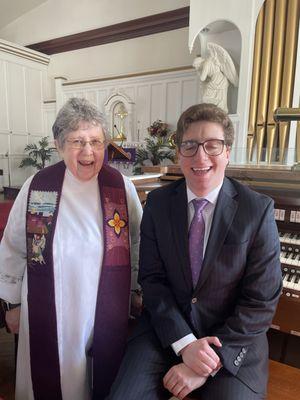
12,318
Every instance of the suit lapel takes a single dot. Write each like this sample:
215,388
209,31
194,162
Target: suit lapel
179,223
223,216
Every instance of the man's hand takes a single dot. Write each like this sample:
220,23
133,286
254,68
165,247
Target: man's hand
12,318
180,380
200,357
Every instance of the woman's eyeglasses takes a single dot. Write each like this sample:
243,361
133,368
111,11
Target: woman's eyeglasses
96,144
212,147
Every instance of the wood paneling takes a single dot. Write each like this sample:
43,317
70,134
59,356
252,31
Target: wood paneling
157,23
158,102
16,98
4,124
34,101
153,96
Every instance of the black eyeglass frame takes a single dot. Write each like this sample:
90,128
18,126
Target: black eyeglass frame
203,145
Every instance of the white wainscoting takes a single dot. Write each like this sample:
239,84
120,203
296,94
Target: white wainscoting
157,96
23,73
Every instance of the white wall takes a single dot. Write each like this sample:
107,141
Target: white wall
148,53
155,52
56,18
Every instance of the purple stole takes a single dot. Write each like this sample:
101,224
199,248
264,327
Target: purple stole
112,307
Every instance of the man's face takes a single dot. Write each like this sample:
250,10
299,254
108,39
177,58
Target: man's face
203,172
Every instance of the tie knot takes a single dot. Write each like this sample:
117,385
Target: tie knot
199,205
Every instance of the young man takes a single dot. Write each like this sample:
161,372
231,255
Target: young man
210,274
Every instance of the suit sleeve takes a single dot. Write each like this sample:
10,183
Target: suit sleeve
166,317
259,293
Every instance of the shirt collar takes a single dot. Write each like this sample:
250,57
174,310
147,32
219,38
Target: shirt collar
212,196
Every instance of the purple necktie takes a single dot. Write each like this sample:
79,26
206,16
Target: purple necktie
196,239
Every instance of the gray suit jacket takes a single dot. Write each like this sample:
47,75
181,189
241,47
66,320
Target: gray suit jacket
240,280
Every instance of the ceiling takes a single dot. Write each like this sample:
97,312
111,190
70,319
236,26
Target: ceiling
13,9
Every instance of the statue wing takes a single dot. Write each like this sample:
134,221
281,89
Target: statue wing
222,57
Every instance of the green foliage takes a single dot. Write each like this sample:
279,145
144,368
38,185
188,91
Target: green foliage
38,154
156,150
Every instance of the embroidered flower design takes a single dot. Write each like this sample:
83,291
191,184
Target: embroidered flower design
117,223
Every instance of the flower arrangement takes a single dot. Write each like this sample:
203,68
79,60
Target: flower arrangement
158,129
157,147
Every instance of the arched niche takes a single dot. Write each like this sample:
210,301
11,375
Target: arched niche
227,35
119,110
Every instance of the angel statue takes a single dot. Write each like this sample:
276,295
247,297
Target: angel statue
216,71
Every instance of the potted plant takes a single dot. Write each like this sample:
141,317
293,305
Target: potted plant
157,148
38,154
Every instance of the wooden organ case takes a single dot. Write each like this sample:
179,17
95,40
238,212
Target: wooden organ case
287,215
284,187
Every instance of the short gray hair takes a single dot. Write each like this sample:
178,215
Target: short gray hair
69,117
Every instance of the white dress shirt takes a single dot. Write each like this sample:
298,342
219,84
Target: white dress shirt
208,214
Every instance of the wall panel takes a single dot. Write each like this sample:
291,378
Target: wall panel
91,95
189,94
102,97
155,96
142,111
173,102
158,102
16,98
4,123
34,101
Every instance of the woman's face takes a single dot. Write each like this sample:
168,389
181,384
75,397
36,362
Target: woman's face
83,151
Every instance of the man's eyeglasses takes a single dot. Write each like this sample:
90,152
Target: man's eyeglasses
212,147
96,144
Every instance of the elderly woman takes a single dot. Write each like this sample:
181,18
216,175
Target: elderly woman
66,258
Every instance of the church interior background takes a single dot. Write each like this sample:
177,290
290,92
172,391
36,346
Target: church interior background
125,56
135,62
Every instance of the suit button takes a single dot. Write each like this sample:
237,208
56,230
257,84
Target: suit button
194,300
239,358
236,363
244,350
241,354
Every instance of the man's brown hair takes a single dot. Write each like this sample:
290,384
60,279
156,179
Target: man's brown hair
205,112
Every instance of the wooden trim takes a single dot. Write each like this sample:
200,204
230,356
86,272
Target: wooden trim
133,75
114,149
156,23
21,51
